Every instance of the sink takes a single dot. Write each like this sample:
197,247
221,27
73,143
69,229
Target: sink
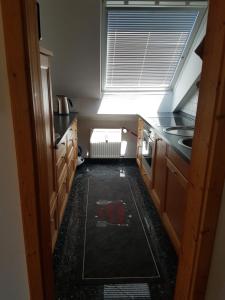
180,130
187,143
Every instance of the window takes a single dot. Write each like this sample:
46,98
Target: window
146,46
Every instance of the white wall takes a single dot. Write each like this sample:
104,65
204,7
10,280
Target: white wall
190,71
190,107
216,281
85,124
13,272
71,29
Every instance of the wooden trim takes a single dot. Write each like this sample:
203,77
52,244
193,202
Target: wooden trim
45,64
22,54
208,164
34,73
156,201
171,232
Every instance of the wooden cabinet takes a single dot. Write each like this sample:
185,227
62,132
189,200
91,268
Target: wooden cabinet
61,153
70,173
54,223
175,203
167,185
159,173
62,194
62,159
66,159
144,168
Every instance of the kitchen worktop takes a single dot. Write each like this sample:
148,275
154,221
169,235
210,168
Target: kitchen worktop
62,123
162,120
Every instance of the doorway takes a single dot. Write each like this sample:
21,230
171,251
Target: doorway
20,18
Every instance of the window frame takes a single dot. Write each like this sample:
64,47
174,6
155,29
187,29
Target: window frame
104,19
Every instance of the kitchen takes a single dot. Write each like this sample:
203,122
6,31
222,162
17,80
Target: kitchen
75,72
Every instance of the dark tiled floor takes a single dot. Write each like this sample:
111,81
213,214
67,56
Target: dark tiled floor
68,255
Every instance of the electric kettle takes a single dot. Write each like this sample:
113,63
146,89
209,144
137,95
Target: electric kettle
63,105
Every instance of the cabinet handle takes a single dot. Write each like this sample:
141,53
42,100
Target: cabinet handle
71,129
64,144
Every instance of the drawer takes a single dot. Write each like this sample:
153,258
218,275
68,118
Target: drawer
182,165
62,199
54,224
60,166
71,137
61,149
71,154
70,144
70,174
62,176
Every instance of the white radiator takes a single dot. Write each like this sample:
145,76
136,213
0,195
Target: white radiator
105,150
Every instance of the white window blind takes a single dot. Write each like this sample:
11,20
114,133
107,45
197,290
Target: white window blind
144,47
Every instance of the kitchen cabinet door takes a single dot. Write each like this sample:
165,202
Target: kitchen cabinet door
54,224
62,197
49,126
175,203
159,173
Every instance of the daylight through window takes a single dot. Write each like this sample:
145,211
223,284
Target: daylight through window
145,47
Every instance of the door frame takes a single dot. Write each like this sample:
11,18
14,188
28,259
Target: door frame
206,183
207,164
20,28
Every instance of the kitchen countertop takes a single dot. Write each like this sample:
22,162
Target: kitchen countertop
162,120
62,123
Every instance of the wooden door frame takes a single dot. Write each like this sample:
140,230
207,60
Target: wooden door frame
23,64
206,183
207,164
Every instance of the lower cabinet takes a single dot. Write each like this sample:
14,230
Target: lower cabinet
61,161
66,158
54,223
70,173
159,174
175,203
168,188
62,197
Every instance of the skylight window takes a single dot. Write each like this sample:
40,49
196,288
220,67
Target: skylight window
145,47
